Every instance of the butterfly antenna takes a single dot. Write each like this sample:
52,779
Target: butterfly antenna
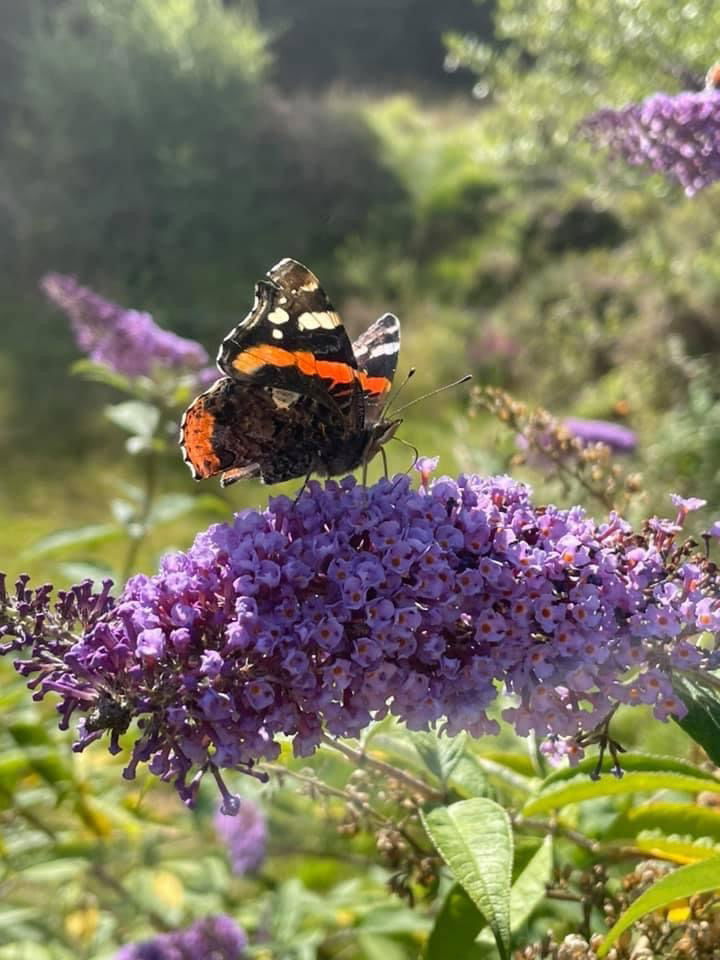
391,400
425,396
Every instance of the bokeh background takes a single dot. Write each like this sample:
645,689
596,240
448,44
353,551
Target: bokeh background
420,157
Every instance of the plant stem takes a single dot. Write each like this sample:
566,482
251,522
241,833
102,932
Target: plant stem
363,759
149,489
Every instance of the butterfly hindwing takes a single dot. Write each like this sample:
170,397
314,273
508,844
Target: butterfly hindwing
238,430
376,353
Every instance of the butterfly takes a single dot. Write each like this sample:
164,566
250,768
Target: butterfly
297,397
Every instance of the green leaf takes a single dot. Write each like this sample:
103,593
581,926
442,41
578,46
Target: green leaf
583,788
468,778
685,819
682,883
456,927
75,572
702,720
137,418
171,506
97,373
92,534
677,851
530,888
439,754
631,762
475,840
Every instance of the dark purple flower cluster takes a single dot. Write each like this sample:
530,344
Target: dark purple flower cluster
212,938
317,616
677,135
126,341
244,835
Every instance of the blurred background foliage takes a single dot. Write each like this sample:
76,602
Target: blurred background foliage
420,157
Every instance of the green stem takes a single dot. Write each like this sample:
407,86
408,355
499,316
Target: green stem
363,759
149,489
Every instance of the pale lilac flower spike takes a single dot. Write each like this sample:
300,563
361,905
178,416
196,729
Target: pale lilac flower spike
126,341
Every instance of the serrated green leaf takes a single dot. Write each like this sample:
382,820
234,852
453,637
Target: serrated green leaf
682,883
685,819
92,534
583,788
475,840
439,754
631,762
468,778
456,927
702,720
134,416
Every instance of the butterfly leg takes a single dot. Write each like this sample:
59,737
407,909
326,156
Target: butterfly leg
305,482
384,460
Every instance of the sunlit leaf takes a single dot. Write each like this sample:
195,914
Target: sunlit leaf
676,851
680,818
439,754
700,877
134,416
475,840
468,777
630,762
583,788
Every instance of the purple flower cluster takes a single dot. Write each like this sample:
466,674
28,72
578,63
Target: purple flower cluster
317,616
126,341
620,439
212,938
244,835
677,135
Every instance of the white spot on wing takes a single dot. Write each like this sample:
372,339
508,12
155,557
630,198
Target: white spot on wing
314,321
385,349
278,315
277,334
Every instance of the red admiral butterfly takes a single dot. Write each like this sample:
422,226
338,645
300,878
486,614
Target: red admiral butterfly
297,397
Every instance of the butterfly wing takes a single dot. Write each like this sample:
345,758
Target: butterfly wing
294,340
376,353
242,430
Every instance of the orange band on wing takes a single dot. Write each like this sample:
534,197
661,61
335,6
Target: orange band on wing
252,360
374,385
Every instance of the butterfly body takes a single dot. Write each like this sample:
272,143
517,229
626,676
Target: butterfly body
296,397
